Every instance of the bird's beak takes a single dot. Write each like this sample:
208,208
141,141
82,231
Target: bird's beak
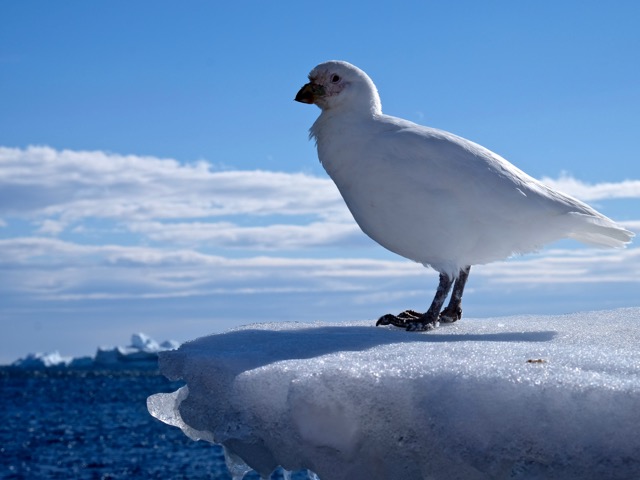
310,93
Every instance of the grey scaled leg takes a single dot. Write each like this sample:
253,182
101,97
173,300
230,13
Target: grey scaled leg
453,312
412,320
429,320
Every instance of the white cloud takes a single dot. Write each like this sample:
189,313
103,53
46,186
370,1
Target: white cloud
58,270
596,191
633,225
63,270
561,266
51,227
40,181
269,237
180,231
164,201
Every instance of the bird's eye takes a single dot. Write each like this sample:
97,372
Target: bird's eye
335,78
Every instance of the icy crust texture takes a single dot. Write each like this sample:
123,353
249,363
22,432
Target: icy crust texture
519,397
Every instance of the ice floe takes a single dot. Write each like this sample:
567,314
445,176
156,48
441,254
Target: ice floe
513,397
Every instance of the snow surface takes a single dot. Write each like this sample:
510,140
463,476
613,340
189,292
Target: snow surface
515,397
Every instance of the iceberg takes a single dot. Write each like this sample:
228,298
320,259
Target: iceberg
553,397
142,353
36,361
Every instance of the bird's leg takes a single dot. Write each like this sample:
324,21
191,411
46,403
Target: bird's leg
453,312
412,320
415,321
429,320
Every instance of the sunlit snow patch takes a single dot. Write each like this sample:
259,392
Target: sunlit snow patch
519,397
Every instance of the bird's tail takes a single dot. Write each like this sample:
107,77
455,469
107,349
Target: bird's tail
599,231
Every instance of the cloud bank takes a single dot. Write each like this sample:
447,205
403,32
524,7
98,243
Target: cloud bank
598,191
163,200
95,225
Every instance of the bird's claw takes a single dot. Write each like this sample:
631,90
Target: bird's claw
389,319
410,320
413,321
401,320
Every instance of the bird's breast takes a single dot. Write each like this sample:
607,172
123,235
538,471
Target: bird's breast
383,203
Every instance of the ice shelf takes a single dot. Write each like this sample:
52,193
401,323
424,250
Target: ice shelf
515,397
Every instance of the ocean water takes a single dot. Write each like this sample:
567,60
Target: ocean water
95,425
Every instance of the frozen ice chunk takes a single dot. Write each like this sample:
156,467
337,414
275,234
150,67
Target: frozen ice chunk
166,408
142,353
519,397
143,342
42,360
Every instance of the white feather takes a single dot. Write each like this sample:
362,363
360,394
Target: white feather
432,196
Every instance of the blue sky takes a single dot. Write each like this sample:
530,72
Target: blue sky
156,176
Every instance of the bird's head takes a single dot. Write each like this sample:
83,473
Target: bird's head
340,85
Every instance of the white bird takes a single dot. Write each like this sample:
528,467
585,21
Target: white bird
434,197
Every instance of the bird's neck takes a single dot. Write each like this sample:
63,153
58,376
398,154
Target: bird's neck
340,140
336,123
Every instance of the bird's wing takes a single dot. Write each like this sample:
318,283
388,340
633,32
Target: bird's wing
486,184
479,188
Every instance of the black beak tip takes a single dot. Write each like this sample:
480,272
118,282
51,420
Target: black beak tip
306,94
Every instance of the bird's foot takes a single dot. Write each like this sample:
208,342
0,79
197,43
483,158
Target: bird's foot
421,325
401,320
410,320
450,315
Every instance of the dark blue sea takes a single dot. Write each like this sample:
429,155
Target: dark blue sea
95,425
